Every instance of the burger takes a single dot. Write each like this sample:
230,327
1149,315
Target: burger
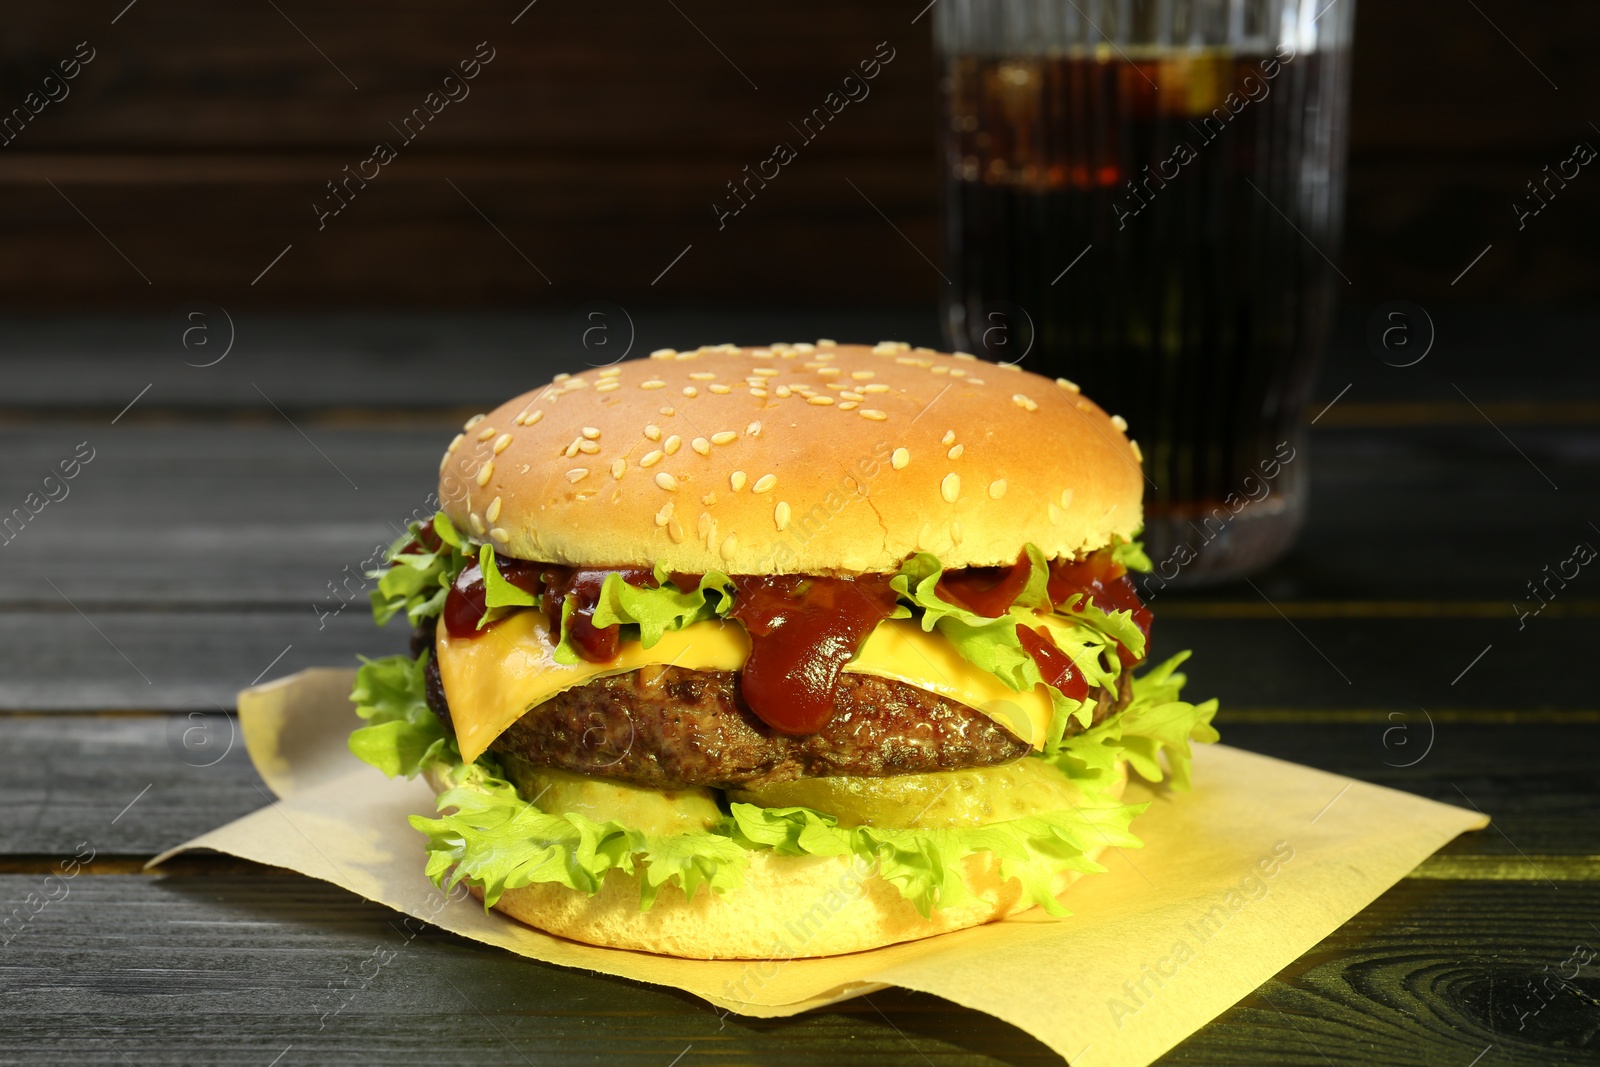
774,652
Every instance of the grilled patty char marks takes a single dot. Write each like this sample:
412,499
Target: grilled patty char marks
669,727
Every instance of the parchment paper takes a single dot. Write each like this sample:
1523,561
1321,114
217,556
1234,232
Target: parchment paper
1239,877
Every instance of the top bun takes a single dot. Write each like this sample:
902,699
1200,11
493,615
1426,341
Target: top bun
809,459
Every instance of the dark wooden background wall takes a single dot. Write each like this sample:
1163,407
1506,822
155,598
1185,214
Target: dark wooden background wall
199,137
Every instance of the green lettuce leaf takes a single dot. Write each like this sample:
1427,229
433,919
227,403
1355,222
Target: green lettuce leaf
1156,721
984,642
1131,555
401,733
417,582
655,611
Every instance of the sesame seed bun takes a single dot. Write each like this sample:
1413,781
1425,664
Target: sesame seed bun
789,907
814,459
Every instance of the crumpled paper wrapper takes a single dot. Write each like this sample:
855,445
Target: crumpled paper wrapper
1238,878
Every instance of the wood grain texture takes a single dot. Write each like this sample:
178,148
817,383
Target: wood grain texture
1432,973
73,777
200,135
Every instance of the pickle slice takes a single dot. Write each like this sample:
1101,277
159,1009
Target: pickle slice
654,811
942,799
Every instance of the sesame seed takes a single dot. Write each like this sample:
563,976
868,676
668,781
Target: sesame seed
1120,423
784,391
720,389
535,417
940,369
669,411
805,347
477,523
900,458
724,437
470,423
950,488
737,480
1024,402
820,401
485,472
1066,498
690,391
955,453
454,442
828,372
675,531
610,385
653,383
957,372
875,387
1055,513
672,444
663,353
766,372
667,482
1010,367
1138,453
591,433
849,405
500,535
488,432
610,372
761,393
826,342
863,375
572,449
948,439
577,474
492,512
653,432
702,376
651,458
563,376
665,514
874,414
730,546
754,429
588,448
707,527
848,395
618,467
780,515
701,445
974,381
955,533
709,499
1067,384
997,489
764,483
884,348
964,355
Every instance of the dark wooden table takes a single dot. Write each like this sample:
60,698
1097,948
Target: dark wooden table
205,544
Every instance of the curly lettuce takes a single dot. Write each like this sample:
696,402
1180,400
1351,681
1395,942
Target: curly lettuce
416,582
491,838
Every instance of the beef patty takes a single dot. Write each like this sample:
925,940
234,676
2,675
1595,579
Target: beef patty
669,727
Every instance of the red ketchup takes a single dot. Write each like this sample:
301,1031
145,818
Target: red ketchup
1107,582
464,605
986,591
802,633
425,540
1054,665
597,644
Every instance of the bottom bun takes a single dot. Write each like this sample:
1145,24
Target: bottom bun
789,907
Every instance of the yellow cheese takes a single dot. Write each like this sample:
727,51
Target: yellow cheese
492,679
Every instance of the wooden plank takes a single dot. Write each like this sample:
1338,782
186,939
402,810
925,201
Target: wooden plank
117,659
167,970
258,513
73,778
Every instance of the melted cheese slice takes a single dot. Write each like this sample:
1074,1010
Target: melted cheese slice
493,679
